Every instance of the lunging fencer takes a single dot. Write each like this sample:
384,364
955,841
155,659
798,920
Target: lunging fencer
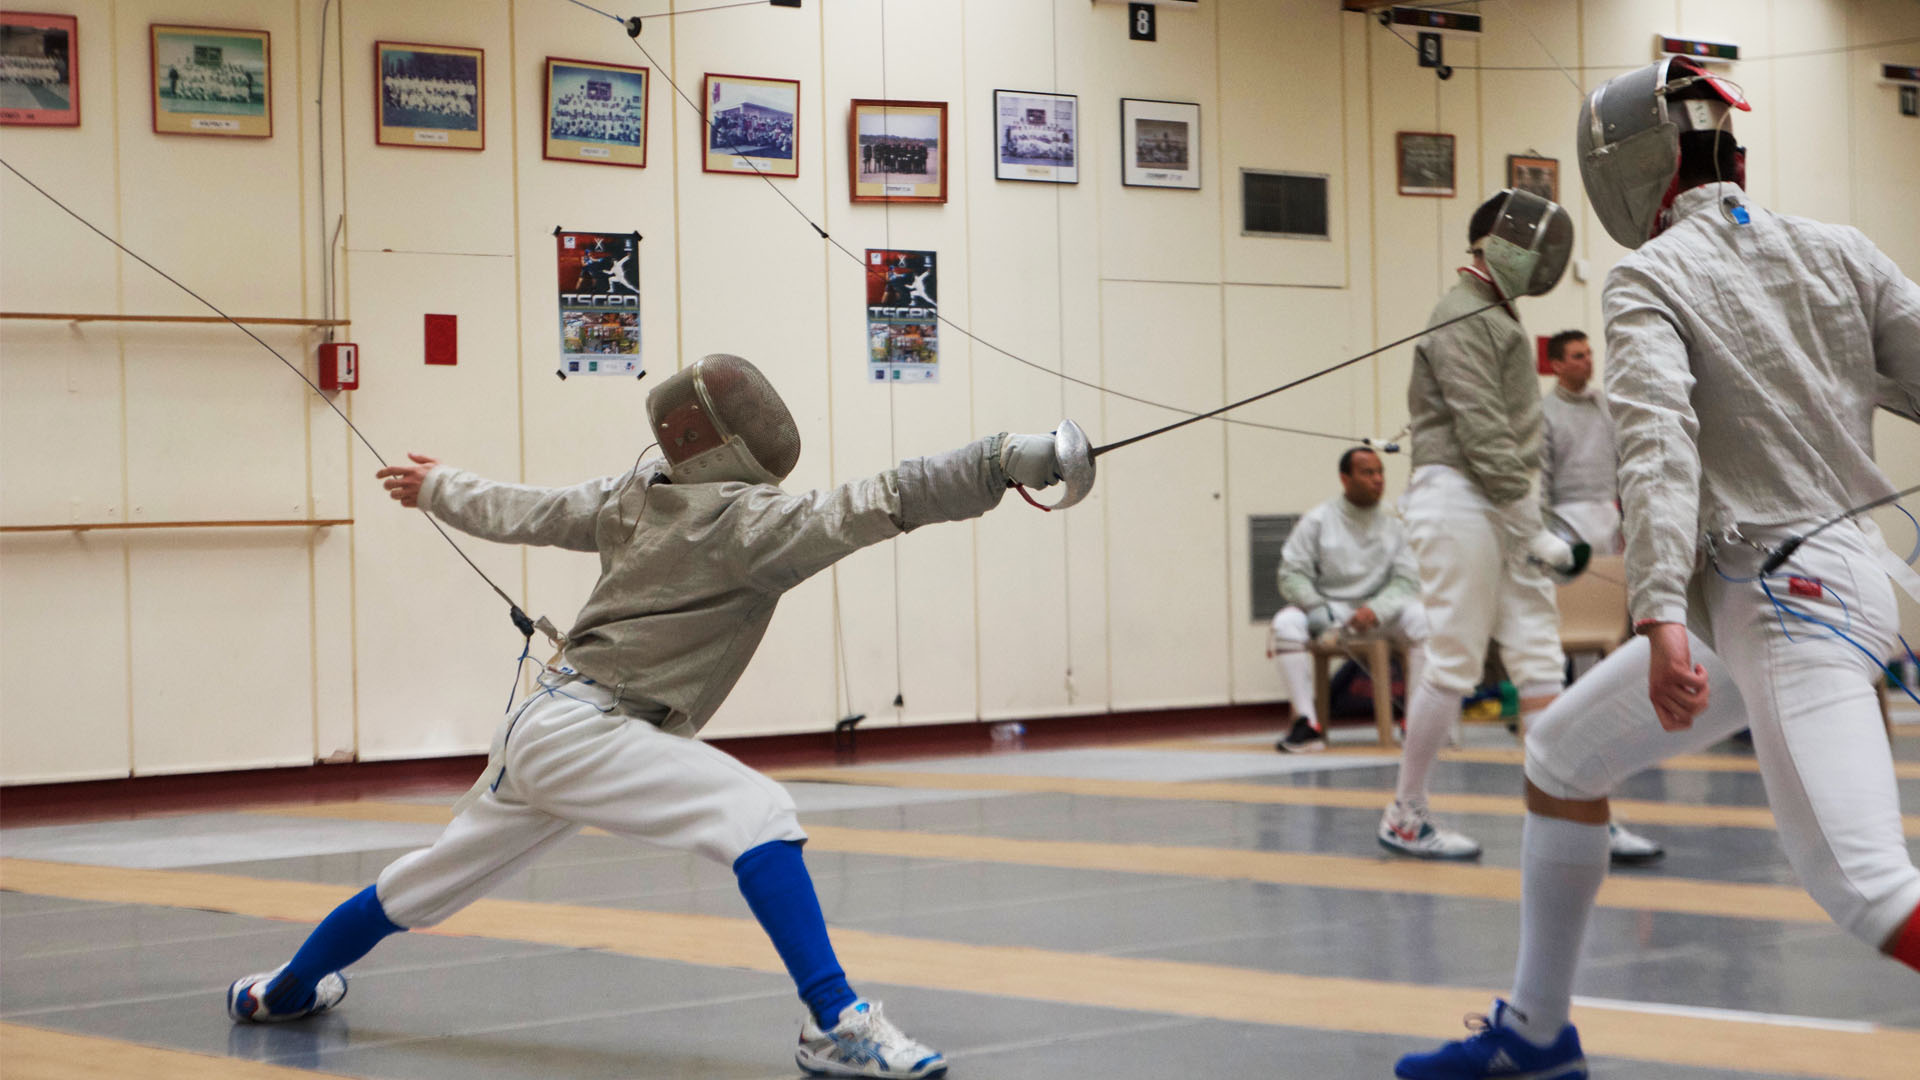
696,548
1747,352
1473,506
1346,569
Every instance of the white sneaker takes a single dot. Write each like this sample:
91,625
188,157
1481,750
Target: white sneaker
1630,848
865,1043
244,1004
1410,832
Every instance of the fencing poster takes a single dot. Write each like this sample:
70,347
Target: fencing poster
599,303
903,328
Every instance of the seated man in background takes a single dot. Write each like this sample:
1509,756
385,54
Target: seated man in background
1577,458
1346,569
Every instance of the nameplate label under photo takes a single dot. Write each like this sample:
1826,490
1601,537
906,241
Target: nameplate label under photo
595,151
899,189
202,123
431,136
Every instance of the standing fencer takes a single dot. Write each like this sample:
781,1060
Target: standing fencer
1346,569
1747,353
695,551
1473,506
1577,459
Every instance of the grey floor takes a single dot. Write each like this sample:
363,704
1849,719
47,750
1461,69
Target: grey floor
433,1007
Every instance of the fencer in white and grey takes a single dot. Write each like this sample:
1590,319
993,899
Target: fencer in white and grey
690,573
1474,400
1341,557
1798,328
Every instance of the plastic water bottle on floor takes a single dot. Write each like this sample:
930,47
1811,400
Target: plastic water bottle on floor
1007,735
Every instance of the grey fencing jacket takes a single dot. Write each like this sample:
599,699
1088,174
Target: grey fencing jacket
1743,366
1474,399
690,573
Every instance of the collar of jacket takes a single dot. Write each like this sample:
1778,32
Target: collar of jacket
1705,197
1483,286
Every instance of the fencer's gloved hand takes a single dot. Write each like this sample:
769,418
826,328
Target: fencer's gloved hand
1029,460
1549,550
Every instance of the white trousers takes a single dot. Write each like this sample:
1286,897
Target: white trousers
1809,698
1476,585
569,762
1598,523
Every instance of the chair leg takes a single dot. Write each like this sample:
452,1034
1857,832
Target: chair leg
1322,690
1382,660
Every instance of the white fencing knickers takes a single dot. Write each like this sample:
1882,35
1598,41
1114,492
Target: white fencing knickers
1809,698
1598,523
1476,585
570,762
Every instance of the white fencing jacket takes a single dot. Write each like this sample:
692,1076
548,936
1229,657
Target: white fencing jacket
1341,558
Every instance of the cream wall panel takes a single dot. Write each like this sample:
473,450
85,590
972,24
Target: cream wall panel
1809,96
63,657
1166,509
60,432
1274,57
220,650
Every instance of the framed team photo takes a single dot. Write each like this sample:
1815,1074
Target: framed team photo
211,81
1540,175
39,79
596,113
429,96
1159,144
897,151
1424,163
753,125
1037,136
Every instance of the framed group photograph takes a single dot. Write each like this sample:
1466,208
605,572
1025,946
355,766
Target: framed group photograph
39,85
897,151
1540,175
211,81
753,125
1159,144
1037,136
1425,163
430,96
596,113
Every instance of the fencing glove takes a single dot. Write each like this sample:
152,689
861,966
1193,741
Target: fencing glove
1029,460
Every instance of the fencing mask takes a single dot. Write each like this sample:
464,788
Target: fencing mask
720,419
1526,245
1629,140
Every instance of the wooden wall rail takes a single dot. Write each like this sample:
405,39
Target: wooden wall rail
89,526
70,316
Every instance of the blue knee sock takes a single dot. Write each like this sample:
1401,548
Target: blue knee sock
775,882
348,934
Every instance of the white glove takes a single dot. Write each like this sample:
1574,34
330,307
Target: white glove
1029,460
1550,550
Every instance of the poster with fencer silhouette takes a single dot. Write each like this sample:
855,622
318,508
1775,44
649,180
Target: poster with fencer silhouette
903,323
599,303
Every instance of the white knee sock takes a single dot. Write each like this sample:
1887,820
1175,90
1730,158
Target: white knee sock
1563,864
1296,671
1430,715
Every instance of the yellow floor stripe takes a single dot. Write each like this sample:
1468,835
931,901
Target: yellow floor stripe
1689,896
1637,811
28,1053
1157,986
1491,755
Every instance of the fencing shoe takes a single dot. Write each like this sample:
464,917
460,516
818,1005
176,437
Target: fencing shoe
246,1004
1409,831
1497,1052
1304,738
1630,848
865,1043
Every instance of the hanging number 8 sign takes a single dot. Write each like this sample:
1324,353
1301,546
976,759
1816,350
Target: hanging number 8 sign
1140,26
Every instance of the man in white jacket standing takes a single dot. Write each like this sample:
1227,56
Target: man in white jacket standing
1577,459
1346,569
1747,351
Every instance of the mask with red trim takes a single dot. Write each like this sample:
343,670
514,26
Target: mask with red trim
1629,141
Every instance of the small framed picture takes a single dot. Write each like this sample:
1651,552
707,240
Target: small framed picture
1038,136
1540,175
1425,163
897,151
753,125
1159,144
596,113
39,76
212,81
430,96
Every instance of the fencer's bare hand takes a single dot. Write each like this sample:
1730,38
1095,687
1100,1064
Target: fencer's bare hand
1675,684
1363,620
403,481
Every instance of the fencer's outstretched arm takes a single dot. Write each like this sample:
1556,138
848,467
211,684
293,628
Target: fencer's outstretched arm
790,537
516,513
1649,389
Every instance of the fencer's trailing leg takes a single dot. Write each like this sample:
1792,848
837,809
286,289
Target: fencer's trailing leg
312,982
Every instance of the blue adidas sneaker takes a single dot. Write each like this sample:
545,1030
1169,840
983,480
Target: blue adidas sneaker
1497,1052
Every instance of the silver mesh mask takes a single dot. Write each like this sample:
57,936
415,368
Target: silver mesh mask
1528,248
719,419
1628,139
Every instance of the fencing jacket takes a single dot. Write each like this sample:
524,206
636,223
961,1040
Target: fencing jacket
1743,366
1474,398
690,573
1343,558
1576,449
